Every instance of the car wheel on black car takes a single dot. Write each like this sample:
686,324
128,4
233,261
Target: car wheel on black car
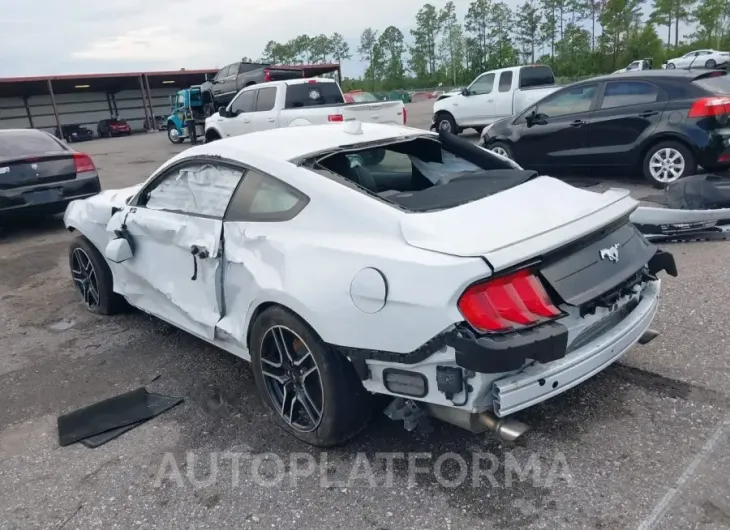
93,278
501,149
667,162
445,123
312,389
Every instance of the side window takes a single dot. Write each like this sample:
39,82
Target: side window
264,198
622,94
244,102
265,99
505,81
482,85
571,101
196,188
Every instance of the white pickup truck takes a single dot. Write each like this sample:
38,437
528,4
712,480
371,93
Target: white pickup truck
492,96
293,103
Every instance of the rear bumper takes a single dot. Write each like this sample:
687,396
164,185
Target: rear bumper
539,382
47,198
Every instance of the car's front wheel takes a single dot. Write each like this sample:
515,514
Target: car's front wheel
312,390
501,149
670,66
93,278
710,63
173,134
445,123
667,162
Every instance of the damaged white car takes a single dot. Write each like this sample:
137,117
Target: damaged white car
357,259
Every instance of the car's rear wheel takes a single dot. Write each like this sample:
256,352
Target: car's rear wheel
501,149
670,66
312,389
445,123
93,278
667,162
710,63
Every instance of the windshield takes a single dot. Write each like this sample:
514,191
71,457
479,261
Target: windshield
716,83
422,174
363,97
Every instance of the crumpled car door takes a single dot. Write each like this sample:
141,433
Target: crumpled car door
175,271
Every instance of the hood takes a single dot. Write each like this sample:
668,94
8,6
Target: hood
518,224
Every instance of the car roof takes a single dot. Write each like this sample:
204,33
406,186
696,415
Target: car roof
654,74
293,143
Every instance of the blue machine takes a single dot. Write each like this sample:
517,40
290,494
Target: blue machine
186,105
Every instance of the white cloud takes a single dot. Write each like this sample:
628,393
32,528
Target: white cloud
157,43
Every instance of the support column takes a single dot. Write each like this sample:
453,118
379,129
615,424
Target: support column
144,102
153,122
109,104
339,74
27,112
55,109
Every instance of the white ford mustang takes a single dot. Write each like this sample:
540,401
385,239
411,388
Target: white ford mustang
356,259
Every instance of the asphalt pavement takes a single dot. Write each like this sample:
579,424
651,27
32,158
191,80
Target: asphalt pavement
645,444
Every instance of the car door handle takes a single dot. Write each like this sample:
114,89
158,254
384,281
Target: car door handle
246,121
490,101
271,120
648,113
577,123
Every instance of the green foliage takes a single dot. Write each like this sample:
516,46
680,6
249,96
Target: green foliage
578,38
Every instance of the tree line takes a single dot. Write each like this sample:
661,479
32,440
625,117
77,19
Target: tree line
576,37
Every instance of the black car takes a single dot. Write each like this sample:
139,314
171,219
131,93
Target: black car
40,174
662,123
75,133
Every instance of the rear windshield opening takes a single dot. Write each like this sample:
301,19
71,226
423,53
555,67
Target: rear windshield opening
422,174
312,94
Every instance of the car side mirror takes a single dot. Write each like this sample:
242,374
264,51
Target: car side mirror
465,92
118,250
223,112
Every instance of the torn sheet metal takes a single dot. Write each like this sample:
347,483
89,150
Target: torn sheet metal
698,208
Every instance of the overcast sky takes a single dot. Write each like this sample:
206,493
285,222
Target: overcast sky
39,37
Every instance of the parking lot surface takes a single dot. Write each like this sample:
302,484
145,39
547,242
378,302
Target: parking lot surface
645,444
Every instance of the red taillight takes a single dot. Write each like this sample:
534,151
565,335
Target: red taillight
508,303
709,107
267,75
405,115
83,163
312,81
335,117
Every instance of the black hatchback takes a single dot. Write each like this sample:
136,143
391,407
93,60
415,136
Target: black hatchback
661,123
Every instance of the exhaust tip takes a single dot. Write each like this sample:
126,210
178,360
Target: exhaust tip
510,430
648,336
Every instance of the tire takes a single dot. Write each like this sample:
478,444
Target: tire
211,136
681,163
339,405
670,66
174,138
501,148
90,273
445,122
710,63
209,109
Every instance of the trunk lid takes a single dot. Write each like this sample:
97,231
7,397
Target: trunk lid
372,112
517,224
32,170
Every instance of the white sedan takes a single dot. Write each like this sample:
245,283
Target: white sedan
700,59
439,273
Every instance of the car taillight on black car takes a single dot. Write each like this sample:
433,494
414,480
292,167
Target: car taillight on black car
507,303
710,107
83,163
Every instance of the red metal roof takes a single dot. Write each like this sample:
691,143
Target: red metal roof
108,75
